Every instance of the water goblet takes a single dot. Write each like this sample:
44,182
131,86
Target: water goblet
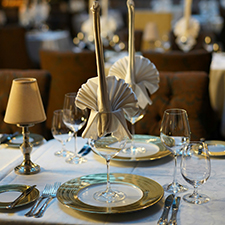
61,132
131,147
195,169
107,147
175,136
75,119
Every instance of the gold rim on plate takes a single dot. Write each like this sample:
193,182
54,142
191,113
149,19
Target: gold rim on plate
37,140
33,196
163,152
68,193
219,144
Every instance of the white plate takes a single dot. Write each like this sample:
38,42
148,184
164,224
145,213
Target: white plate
216,148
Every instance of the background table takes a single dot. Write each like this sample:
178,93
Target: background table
56,169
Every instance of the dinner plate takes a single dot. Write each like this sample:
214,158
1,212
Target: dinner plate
35,139
141,192
154,149
216,148
8,193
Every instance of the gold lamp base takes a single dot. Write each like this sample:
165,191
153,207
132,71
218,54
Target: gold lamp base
27,167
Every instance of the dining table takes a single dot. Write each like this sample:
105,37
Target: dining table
159,170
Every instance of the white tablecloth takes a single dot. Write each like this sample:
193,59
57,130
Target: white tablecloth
56,169
217,87
52,40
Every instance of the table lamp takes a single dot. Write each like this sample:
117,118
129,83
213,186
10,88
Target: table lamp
151,34
25,109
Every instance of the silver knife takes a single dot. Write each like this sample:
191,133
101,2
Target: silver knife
176,203
164,217
21,197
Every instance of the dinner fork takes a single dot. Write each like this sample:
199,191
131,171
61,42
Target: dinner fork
48,200
45,194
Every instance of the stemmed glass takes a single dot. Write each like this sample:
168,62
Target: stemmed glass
75,119
132,148
195,169
61,132
107,147
175,135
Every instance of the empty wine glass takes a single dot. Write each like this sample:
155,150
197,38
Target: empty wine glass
175,136
75,119
107,147
131,147
61,132
195,169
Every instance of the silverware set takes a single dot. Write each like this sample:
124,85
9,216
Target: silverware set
173,201
48,194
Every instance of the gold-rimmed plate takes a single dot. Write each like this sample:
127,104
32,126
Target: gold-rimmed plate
141,192
10,192
216,148
154,149
35,139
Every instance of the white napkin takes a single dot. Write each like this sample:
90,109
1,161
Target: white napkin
146,77
106,97
137,71
121,98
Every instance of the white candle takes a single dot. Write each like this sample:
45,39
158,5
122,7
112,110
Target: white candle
90,5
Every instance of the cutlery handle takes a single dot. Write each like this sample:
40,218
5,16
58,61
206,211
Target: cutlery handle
173,219
43,208
34,207
163,218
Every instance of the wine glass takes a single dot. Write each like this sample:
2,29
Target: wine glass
107,147
195,169
61,132
131,147
175,135
75,119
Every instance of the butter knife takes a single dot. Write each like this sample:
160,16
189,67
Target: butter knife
164,217
21,197
175,207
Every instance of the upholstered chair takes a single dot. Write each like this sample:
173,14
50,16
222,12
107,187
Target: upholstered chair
69,71
175,61
186,90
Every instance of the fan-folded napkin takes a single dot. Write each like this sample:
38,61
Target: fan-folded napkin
107,98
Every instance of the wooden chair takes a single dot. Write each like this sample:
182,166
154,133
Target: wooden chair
186,90
196,60
6,78
69,71
13,50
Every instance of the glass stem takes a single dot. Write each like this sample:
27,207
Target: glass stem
195,192
132,140
75,144
175,172
108,188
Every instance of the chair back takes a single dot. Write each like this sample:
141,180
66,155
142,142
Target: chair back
69,71
175,61
6,78
13,50
186,90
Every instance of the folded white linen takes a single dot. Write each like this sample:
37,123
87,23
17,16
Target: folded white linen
121,98
137,71
107,98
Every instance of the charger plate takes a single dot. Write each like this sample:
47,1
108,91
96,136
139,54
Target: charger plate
216,148
35,139
141,192
33,196
154,149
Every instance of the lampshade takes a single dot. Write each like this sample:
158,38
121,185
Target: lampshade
25,104
151,32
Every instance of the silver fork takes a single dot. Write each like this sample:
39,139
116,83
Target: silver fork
48,200
45,194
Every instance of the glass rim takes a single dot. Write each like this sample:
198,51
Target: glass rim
175,111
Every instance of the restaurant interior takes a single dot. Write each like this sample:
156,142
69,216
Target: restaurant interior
56,42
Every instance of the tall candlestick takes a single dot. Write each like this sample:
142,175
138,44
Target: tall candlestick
187,13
